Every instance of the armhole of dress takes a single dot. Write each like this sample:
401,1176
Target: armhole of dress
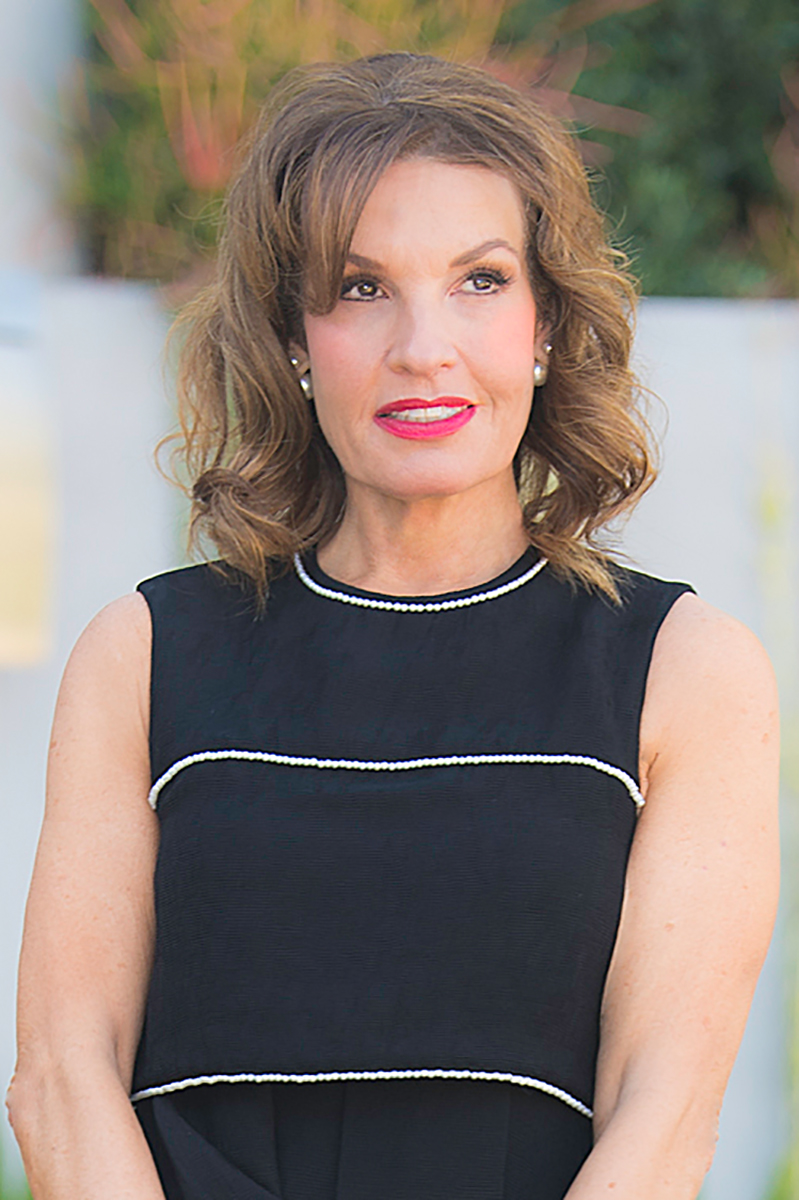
663,611
151,688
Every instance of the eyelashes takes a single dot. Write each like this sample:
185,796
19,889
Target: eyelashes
498,278
357,281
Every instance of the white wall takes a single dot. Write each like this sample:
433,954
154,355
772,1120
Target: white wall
38,39
98,347
724,516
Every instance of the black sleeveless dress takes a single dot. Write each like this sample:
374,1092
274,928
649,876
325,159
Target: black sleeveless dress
394,835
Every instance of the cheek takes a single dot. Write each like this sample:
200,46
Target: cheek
505,347
342,350
332,353
342,369
336,371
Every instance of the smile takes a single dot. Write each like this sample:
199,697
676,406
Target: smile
425,418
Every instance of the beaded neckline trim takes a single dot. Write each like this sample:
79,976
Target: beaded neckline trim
413,605
398,764
341,1076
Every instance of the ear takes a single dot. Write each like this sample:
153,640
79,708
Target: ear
542,344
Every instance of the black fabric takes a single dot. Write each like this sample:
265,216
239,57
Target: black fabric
461,917
418,1139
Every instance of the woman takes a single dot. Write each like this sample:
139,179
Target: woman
413,739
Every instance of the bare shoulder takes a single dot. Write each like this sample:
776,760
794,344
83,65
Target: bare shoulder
111,659
710,677
119,632
102,714
697,637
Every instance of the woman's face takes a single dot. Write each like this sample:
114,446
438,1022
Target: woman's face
423,372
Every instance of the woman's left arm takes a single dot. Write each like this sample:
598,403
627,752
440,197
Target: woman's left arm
699,908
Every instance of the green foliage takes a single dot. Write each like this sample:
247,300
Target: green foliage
138,211
8,1190
689,108
706,194
781,1189
167,87
21,1192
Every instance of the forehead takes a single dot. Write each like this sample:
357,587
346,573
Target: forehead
439,208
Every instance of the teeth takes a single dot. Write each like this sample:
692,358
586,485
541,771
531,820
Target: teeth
424,415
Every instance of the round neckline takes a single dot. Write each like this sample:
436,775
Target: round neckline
312,575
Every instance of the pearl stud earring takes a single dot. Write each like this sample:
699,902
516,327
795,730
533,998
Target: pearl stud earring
541,369
305,378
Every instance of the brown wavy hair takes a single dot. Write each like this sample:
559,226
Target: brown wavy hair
263,481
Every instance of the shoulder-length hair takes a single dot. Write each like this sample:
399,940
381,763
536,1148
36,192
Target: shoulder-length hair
264,483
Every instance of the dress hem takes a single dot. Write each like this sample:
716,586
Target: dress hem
342,1076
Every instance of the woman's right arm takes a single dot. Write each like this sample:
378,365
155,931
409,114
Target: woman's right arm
89,928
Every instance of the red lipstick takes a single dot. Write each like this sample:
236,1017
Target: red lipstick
415,418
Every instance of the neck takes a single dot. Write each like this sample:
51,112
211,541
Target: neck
424,547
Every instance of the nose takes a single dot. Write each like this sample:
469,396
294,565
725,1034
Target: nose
421,344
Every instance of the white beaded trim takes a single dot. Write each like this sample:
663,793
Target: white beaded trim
401,764
334,1076
416,606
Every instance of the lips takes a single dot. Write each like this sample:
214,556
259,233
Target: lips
417,418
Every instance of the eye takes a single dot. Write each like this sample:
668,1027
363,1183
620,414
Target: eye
488,280
362,287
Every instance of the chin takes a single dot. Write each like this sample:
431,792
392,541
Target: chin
428,484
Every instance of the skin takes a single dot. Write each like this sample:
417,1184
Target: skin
421,518
427,517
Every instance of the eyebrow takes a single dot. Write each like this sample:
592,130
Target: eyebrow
360,260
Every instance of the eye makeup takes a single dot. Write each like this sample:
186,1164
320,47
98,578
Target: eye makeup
496,275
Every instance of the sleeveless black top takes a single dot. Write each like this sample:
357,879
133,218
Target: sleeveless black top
394,832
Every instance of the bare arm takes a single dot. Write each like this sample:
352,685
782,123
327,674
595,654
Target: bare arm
89,928
698,913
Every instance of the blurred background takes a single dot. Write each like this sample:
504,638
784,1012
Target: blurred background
118,120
